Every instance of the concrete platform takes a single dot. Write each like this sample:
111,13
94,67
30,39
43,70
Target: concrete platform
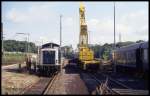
69,82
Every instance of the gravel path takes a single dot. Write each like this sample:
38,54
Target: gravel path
14,82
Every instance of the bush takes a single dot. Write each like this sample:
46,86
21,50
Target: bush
11,58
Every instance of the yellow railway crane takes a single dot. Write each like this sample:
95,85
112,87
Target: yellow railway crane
86,55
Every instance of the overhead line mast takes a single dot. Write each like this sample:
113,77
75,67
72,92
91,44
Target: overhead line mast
114,40
114,29
60,44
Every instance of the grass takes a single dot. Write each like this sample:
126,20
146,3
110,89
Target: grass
11,58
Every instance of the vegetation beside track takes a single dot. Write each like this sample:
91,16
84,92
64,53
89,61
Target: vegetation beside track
12,58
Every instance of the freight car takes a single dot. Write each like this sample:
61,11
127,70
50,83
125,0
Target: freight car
48,59
132,58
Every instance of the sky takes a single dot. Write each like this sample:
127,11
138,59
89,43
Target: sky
42,21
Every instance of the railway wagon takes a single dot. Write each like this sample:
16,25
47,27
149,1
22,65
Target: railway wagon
132,58
48,59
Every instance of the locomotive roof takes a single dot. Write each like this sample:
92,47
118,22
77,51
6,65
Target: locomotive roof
50,45
133,46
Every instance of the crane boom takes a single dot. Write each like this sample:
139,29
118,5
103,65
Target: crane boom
86,55
83,39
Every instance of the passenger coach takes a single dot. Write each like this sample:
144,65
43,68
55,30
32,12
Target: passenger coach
132,58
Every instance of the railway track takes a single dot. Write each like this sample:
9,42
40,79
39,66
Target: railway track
50,84
102,87
111,86
42,86
107,85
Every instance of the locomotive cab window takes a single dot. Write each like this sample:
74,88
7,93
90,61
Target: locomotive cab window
48,57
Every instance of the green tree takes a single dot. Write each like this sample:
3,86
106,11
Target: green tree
19,46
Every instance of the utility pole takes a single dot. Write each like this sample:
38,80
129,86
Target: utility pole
28,42
26,45
27,49
60,44
114,29
60,30
114,40
2,38
2,41
119,37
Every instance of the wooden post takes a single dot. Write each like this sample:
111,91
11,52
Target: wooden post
19,66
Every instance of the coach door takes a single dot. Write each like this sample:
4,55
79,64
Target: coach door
138,59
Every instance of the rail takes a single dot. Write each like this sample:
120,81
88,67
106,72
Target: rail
50,83
122,90
41,86
103,87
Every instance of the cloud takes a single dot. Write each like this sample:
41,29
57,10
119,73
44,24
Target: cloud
42,21
38,20
135,19
129,25
137,25
33,14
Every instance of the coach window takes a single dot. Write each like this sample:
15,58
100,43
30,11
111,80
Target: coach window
145,55
131,57
128,57
121,58
134,56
